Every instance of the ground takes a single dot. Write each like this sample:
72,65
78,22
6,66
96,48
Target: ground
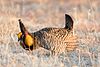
38,14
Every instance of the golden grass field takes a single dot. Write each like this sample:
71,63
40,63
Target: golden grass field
38,14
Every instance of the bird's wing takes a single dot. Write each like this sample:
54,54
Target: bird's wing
59,33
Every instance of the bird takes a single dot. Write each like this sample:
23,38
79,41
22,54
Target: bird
56,40
68,22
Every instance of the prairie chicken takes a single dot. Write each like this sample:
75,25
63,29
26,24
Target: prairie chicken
57,40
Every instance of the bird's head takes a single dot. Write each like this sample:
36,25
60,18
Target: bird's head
19,35
25,36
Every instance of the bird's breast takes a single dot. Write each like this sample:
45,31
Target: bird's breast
29,40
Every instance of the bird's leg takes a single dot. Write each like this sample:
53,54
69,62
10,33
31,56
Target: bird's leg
30,51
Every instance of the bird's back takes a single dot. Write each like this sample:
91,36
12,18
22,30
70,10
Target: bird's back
55,39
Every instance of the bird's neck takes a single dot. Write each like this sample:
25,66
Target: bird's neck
26,33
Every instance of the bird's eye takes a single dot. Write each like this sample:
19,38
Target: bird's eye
19,34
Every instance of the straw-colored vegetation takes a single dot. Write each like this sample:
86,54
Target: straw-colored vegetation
38,14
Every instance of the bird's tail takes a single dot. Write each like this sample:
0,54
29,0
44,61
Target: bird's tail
68,22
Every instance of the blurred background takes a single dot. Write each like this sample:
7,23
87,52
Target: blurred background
44,12
38,14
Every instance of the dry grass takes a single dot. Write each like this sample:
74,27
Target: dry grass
37,15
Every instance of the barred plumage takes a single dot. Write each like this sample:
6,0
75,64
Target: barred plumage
56,40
